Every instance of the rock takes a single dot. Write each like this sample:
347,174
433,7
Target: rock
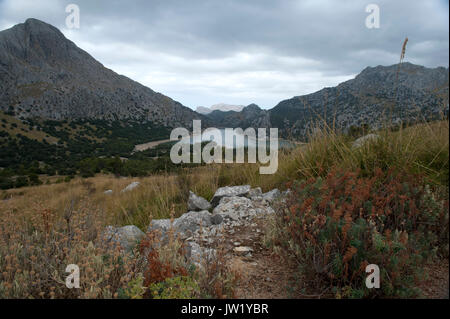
130,187
265,210
191,221
185,225
255,193
163,225
196,254
108,192
286,193
364,139
229,191
197,203
272,195
127,236
242,250
235,208
216,219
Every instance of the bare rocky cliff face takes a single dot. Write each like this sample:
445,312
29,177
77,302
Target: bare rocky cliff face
43,74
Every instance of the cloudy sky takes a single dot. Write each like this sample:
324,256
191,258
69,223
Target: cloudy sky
244,51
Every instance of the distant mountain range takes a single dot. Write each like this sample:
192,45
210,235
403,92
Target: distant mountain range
44,75
219,107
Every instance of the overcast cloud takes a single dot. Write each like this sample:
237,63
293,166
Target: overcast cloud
244,51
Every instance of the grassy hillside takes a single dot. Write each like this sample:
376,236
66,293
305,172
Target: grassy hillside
419,149
33,219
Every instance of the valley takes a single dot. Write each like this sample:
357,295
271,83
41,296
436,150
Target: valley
86,178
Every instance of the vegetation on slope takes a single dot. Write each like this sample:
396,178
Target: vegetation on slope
37,221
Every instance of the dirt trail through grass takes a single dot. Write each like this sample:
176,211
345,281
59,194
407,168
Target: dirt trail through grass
266,275
263,274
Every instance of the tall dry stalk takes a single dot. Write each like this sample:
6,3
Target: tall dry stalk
402,57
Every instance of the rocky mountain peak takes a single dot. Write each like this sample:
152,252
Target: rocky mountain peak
252,106
36,42
405,74
45,75
408,92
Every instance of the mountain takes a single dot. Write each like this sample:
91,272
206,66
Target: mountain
45,75
250,116
406,92
219,107
62,112
59,106
397,93
203,110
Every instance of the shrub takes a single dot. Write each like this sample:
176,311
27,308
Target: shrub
134,290
216,279
335,226
37,246
164,261
179,287
169,275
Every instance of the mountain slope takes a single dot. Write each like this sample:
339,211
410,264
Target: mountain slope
43,74
384,94
410,93
250,116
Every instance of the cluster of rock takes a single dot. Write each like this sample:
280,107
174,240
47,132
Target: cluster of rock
365,139
129,187
206,222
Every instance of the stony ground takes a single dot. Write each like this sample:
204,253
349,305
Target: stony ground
437,285
267,275
236,230
264,274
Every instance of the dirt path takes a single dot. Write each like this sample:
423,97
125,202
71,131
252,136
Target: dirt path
437,285
146,146
265,275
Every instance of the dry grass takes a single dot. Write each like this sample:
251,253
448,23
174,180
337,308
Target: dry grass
152,199
37,244
35,234
421,149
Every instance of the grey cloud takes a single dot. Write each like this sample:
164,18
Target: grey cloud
237,46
